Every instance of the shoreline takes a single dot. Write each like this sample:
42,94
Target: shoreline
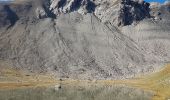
158,83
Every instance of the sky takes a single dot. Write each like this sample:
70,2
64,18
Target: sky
6,0
161,1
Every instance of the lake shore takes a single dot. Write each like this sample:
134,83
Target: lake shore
158,82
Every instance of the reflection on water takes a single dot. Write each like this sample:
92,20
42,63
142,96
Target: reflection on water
6,1
75,93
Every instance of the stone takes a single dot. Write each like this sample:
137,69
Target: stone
57,87
40,13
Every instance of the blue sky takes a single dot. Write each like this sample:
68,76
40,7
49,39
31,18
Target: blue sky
6,0
161,1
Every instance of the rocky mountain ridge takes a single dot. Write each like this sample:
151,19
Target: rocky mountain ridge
124,12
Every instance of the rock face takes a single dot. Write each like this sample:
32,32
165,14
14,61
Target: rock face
133,11
82,39
124,12
65,6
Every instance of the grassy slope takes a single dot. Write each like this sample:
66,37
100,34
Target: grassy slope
158,82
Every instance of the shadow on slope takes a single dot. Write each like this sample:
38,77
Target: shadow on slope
11,15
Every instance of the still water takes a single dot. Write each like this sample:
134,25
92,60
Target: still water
75,93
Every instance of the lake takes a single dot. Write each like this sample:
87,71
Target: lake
75,93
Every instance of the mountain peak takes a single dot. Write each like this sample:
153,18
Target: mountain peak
123,12
65,6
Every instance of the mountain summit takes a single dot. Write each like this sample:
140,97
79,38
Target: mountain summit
125,12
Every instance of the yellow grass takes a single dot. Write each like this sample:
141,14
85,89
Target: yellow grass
158,82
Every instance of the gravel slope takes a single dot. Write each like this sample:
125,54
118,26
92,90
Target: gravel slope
84,42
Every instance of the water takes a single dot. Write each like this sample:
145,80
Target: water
6,1
75,93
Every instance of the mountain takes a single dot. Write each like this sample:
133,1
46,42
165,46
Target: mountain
85,39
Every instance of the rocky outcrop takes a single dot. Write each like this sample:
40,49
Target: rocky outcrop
41,13
132,11
66,6
125,11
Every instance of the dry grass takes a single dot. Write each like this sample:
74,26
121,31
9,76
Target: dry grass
12,78
158,83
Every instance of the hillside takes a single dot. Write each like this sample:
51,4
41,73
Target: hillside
85,39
